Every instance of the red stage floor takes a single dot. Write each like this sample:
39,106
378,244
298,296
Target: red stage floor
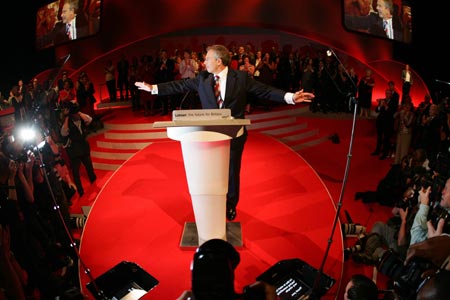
285,212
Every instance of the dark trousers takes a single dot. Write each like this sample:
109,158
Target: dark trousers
75,163
383,140
234,178
111,86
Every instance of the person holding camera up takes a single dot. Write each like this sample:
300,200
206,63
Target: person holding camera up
423,226
74,130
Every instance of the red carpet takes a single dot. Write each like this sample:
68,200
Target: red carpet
285,212
156,222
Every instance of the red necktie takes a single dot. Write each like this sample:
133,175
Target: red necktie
69,34
217,91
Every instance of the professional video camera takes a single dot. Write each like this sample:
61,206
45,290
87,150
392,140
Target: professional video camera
73,107
407,279
213,271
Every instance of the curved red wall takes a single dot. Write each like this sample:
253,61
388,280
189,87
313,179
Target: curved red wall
136,27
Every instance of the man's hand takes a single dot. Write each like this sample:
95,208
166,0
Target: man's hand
424,196
143,86
435,231
65,111
301,96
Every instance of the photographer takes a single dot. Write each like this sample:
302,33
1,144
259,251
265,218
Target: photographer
420,228
393,234
212,272
435,249
74,130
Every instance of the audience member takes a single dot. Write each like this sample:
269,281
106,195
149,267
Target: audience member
110,80
266,71
134,91
67,94
165,67
404,119
85,94
123,67
17,101
386,109
428,131
407,80
188,69
64,77
365,91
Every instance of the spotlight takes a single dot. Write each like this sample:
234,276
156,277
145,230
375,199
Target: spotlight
329,53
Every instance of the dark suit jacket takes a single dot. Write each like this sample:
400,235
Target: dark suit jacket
239,86
373,24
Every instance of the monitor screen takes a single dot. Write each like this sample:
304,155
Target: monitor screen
388,19
64,21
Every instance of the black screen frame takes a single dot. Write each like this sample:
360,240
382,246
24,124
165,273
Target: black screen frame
49,22
358,19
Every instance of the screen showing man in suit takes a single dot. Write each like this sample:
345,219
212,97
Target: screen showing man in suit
63,21
390,19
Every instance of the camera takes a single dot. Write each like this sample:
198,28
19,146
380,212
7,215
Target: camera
213,270
73,107
428,179
436,213
407,279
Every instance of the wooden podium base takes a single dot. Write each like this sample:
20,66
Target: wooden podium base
190,236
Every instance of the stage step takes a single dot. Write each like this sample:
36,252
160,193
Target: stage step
117,142
135,135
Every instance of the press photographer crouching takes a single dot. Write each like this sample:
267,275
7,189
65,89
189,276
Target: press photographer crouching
431,220
212,271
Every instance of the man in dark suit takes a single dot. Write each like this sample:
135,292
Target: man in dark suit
386,109
72,25
235,88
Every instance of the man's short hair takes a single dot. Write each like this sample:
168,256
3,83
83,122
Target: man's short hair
221,52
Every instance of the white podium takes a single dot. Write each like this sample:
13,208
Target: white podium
205,136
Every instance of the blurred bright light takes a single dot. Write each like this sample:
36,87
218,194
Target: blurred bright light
27,134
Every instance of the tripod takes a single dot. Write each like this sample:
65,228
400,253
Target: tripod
353,101
37,150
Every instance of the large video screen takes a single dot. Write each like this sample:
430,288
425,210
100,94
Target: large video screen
64,21
389,19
